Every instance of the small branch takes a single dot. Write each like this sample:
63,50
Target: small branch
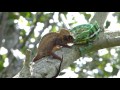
3,26
28,58
25,72
32,30
100,17
46,24
65,22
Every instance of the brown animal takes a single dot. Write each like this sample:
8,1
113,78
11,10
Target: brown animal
51,42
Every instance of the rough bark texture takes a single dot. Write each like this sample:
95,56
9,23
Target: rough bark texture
100,17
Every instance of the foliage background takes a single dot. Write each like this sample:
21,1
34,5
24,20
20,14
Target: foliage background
22,30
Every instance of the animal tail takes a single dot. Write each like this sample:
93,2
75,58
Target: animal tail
36,58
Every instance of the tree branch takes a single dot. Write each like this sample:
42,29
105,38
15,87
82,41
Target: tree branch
25,72
100,17
64,20
38,15
3,25
106,40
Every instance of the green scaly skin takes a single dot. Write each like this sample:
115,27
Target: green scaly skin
85,34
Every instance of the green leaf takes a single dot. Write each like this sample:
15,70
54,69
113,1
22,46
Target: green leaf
107,24
115,71
24,14
53,28
73,66
1,66
117,14
4,56
87,16
22,32
1,62
44,17
13,15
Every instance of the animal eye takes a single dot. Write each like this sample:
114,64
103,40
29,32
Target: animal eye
69,37
65,37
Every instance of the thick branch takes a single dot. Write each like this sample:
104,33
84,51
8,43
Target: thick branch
106,40
47,68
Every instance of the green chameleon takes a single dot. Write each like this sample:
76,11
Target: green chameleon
85,34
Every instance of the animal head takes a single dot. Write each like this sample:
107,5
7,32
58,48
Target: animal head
68,38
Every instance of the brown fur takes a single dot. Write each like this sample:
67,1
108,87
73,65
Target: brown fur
52,42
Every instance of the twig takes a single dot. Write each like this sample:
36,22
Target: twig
32,30
25,71
63,19
3,25
46,24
